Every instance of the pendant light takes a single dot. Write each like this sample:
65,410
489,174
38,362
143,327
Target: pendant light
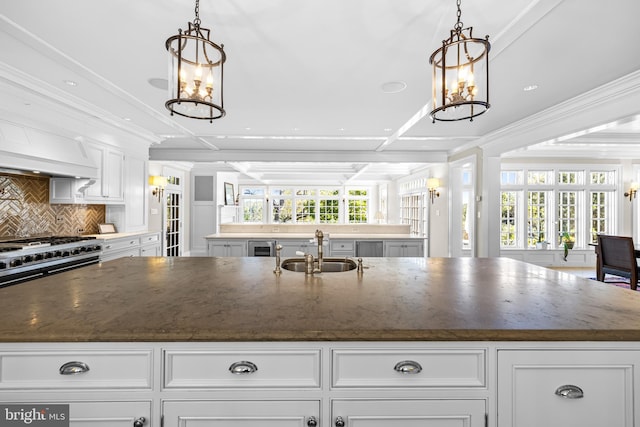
460,75
195,73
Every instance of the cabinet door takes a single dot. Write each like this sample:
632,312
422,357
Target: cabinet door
109,414
151,250
290,247
585,388
413,249
61,190
408,413
96,154
237,249
393,249
113,175
245,413
217,248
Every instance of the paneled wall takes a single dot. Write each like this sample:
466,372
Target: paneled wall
25,210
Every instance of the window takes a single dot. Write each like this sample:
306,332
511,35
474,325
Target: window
556,200
306,206
252,202
508,207
537,217
358,206
287,205
329,206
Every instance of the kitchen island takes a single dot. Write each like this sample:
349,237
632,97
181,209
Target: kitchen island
409,338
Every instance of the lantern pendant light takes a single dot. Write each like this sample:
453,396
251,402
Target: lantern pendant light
195,73
460,75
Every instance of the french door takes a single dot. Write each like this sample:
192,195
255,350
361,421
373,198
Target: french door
173,223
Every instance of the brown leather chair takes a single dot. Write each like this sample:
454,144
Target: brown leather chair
617,256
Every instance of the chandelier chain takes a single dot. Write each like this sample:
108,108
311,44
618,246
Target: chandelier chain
196,21
459,25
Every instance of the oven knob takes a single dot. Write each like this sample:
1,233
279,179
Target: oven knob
15,262
83,249
76,251
38,257
3,265
65,253
48,255
28,258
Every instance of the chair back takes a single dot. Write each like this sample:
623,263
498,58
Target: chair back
617,254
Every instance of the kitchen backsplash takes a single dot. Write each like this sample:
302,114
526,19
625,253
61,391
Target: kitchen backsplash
25,210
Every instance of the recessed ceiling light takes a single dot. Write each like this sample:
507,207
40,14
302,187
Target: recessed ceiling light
70,83
341,129
296,129
387,129
159,83
126,119
393,87
247,128
36,172
530,88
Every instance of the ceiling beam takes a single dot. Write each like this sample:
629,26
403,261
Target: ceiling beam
176,154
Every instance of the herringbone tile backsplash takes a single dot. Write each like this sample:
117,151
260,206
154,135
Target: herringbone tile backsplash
25,210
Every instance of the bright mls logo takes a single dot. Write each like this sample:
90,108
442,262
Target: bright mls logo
34,415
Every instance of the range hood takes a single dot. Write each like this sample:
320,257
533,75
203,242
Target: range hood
28,149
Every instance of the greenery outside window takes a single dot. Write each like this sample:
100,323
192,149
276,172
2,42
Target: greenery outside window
579,202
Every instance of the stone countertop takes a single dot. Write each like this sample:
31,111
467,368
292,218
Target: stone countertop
241,299
110,236
310,236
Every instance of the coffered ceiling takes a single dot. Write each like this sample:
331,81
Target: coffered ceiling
311,85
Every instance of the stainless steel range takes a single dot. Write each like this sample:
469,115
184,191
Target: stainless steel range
25,259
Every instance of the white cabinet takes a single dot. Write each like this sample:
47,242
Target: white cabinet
404,248
150,245
342,248
109,186
227,248
241,413
147,244
408,413
106,385
291,246
62,190
586,388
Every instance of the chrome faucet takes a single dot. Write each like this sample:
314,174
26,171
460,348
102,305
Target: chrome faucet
319,238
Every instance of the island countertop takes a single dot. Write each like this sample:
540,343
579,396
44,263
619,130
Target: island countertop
241,299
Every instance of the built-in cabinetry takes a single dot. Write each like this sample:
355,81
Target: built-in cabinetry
404,248
108,385
109,186
342,248
225,248
462,384
589,388
291,247
145,244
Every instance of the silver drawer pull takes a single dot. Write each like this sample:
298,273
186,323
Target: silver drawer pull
243,367
72,368
139,422
408,367
570,392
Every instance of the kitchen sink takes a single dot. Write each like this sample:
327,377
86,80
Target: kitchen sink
329,265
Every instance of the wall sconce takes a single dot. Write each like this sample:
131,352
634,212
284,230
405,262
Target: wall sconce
159,182
432,186
633,189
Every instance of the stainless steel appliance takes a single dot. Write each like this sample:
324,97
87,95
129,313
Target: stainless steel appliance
25,259
261,247
369,248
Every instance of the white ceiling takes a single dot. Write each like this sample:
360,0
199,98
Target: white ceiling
303,81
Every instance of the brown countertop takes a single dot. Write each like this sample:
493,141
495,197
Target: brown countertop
310,237
229,299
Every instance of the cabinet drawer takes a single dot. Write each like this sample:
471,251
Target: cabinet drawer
409,368
342,246
150,238
106,370
253,369
601,382
115,245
